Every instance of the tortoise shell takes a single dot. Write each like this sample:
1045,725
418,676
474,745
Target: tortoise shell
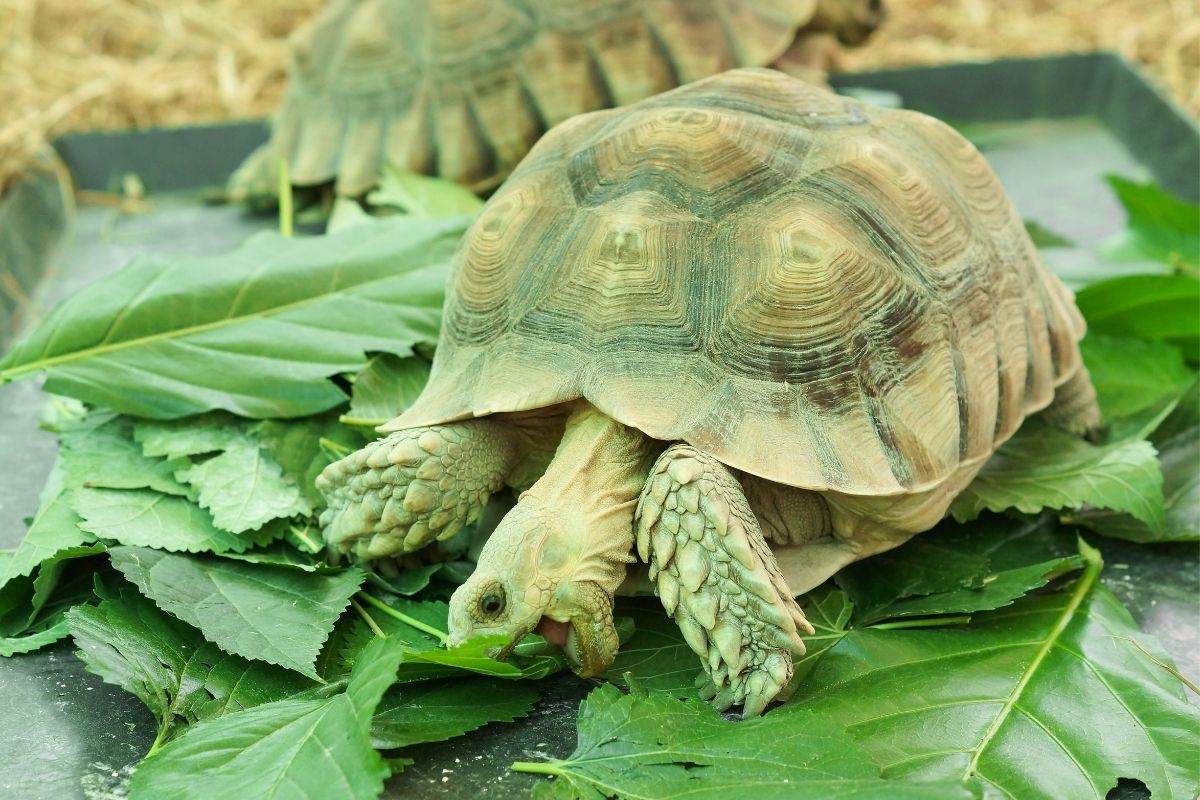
815,291
463,88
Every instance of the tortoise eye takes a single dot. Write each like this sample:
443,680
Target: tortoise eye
492,603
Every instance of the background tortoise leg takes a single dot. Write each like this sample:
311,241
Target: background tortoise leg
399,493
717,577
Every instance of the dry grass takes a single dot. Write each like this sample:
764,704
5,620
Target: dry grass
102,64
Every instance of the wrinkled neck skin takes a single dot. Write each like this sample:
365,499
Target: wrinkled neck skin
560,554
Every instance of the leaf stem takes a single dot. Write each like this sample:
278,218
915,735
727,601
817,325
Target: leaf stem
367,618
928,622
286,226
1091,570
536,767
442,636
164,731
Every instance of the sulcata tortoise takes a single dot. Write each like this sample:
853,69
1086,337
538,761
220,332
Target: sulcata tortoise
463,88
748,332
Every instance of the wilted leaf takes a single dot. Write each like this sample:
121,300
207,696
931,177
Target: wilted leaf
254,332
657,746
434,711
169,666
268,613
311,749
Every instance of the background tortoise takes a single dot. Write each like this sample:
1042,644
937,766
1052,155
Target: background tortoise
781,329
463,88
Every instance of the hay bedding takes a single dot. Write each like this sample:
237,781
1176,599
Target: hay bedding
103,64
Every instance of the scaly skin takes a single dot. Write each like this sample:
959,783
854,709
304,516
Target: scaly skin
717,577
561,553
399,493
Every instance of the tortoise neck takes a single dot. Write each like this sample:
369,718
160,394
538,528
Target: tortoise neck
593,483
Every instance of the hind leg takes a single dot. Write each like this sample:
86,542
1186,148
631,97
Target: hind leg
399,493
1074,408
717,577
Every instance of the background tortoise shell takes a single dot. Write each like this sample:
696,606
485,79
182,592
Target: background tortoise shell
813,290
463,88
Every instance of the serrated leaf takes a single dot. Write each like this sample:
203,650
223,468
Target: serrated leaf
1049,697
261,612
957,569
385,388
255,332
55,630
295,445
1041,467
1132,374
144,518
661,747
244,489
434,711
422,195
1178,443
1152,307
310,749
657,657
169,666
54,528
193,436
1160,227
106,456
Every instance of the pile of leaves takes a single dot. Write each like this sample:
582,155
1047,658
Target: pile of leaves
196,400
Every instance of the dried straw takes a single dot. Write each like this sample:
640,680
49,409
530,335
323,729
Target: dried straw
102,64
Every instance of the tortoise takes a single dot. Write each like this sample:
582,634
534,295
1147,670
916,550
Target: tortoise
747,331
463,88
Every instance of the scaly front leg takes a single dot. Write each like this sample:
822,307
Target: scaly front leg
716,575
398,494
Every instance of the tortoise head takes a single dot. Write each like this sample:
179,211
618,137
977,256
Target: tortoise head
851,21
534,574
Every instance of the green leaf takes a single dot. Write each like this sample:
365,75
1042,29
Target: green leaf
193,436
106,456
311,749
254,332
656,657
422,195
54,528
956,569
55,630
272,614
662,747
295,445
1154,307
1132,374
347,213
1178,443
143,518
1043,238
385,388
408,582
169,666
434,711
1160,227
1041,467
1050,697
244,489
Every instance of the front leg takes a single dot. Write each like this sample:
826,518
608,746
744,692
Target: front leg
399,493
717,577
